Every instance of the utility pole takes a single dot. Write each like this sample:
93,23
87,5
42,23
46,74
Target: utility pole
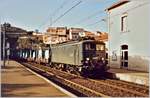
51,21
8,51
109,55
4,45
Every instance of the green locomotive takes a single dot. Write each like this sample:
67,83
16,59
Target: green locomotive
86,57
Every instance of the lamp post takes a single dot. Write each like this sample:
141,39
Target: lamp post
8,51
109,55
4,45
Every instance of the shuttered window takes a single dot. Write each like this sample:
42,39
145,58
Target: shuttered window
124,23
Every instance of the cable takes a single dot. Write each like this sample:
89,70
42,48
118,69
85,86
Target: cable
65,12
54,13
95,22
118,14
92,15
61,6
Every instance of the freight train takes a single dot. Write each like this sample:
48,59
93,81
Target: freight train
86,57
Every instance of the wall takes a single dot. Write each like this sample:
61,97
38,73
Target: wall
136,36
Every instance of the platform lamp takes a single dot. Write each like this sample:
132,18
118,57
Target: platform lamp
4,31
7,51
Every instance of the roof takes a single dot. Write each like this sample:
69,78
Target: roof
117,4
75,42
61,27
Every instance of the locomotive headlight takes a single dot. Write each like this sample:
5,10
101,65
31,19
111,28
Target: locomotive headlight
87,59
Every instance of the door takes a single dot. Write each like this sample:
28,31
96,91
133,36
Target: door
124,56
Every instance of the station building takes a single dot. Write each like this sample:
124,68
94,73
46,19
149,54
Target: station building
128,23
9,36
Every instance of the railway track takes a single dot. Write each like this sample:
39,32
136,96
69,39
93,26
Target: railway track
83,91
128,85
125,88
95,88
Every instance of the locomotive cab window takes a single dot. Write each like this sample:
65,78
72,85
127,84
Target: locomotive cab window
89,46
100,47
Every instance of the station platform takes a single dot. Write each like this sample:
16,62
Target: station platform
130,76
19,81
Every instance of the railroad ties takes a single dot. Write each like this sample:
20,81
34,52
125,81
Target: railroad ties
90,87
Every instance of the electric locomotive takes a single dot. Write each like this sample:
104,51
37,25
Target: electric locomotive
86,57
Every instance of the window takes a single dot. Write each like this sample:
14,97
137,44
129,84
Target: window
86,46
124,47
89,46
106,55
124,23
100,47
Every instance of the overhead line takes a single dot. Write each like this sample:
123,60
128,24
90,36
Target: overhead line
61,6
119,13
92,15
54,13
95,22
99,12
66,12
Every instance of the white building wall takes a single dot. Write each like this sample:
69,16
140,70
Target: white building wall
136,36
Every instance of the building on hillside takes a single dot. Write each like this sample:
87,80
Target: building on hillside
128,23
62,34
56,35
101,36
89,34
52,36
39,36
74,33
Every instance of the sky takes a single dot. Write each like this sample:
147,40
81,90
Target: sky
39,14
